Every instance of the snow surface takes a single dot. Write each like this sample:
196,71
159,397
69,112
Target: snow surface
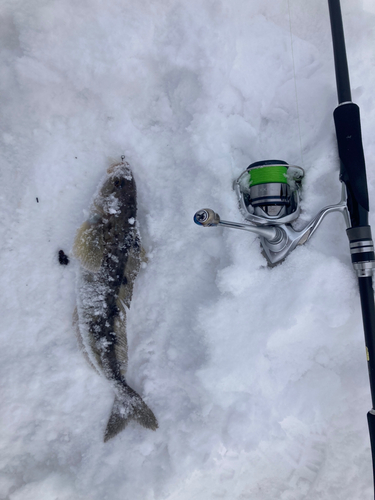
257,376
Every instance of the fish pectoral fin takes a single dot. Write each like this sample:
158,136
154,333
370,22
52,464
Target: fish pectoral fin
143,256
125,294
89,244
126,407
132,266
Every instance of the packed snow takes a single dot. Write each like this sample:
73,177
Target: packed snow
257,376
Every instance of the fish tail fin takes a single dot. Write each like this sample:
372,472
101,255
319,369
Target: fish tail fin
128,405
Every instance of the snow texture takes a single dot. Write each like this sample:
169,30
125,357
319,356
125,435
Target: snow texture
257,376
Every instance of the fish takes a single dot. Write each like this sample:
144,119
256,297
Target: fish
109,252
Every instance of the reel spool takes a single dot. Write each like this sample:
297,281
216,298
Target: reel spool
268,192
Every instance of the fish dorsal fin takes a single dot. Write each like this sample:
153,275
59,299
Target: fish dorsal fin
89,244
132,266
121,345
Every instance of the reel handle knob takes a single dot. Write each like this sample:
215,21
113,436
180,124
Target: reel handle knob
206,217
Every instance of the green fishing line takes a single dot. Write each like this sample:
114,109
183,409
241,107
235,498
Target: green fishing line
267,174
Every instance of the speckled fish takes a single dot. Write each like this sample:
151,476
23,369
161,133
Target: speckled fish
108,248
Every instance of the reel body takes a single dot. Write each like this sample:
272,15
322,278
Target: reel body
268,193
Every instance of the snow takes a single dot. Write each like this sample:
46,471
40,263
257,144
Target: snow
257,376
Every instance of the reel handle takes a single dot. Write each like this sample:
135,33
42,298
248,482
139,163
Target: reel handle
208,218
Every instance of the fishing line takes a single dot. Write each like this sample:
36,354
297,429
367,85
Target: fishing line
295,83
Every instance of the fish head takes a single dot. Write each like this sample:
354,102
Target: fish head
117,196
112,219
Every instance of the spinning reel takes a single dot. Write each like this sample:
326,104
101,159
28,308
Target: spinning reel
269,198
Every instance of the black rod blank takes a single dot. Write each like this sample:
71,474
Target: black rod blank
339,50
368,314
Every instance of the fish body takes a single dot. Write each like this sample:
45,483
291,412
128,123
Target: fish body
108,248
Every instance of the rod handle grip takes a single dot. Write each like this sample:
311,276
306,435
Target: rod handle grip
349,141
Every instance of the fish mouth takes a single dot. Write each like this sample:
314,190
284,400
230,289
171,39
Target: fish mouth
118,168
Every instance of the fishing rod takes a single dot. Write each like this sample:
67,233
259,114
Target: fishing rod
353,174
269,199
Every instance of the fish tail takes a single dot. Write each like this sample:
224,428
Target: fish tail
129,405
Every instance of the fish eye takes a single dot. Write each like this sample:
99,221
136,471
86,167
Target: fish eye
119,183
